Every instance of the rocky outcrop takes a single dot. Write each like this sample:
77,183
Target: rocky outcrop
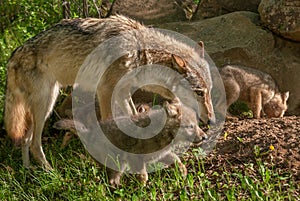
238,38
213,8
230,38
154,12
282,17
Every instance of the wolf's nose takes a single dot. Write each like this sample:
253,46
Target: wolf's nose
211,122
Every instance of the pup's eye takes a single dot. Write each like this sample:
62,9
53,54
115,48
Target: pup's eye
191,126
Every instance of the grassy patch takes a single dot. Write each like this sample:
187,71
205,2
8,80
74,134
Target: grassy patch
241,110
77,177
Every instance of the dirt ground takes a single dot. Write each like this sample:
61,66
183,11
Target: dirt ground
275,140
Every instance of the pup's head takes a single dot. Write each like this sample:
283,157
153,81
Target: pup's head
188,118
198,75
277,106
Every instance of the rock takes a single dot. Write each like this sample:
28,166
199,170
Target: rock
155,12
231,37
238,38
282,17
213,8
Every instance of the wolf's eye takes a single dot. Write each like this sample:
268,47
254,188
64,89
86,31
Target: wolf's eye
191,126
200,93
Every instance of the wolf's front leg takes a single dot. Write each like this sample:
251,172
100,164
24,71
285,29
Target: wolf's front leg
127,106
36,146
106,104
104,98
42,102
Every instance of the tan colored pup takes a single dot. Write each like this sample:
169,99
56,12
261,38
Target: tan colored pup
256,88
181,121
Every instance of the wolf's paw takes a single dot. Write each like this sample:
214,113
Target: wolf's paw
46,166
182,169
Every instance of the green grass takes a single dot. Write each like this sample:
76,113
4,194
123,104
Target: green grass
77,177
240,109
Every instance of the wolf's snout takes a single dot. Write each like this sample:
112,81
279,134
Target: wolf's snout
211,121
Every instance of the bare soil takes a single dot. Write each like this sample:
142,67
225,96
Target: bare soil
275,141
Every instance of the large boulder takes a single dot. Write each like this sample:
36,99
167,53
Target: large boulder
238,38
282,17
213,8
154,11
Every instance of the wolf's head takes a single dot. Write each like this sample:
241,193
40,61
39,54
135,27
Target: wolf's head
277,106
199,77
179,53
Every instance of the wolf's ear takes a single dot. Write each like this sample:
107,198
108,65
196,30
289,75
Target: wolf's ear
285,96
179,64
201,44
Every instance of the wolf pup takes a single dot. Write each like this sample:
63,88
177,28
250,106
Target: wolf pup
181,121
256,88
52,59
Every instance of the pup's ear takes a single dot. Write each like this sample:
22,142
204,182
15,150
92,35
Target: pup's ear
173,109
201,44
179,64
285,96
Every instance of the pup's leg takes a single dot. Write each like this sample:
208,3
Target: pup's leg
115,176
256,101
104,98
173,158
232,90
140,167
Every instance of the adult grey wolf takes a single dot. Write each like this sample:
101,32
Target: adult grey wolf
52,59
